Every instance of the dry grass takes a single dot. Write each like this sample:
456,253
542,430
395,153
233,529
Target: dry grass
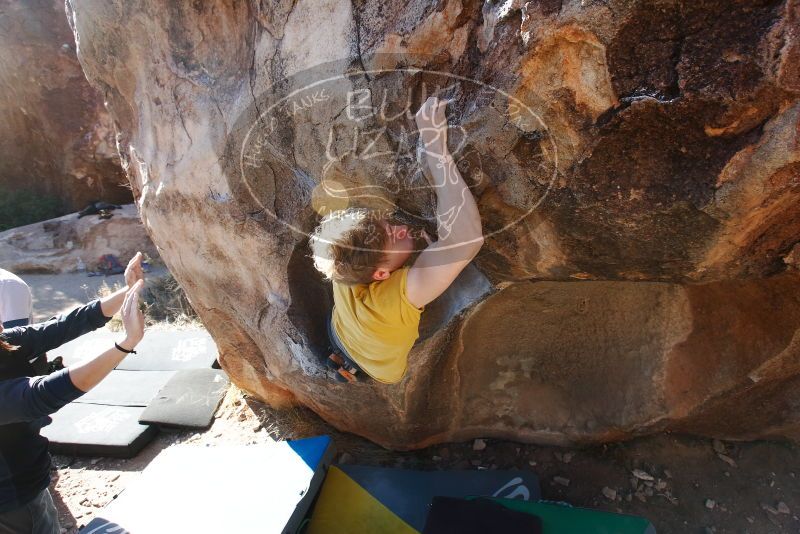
167,302
287,423
164,303
277,424
300,422
115,324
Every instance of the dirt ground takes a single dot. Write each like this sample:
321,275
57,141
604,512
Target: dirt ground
698,485
747,488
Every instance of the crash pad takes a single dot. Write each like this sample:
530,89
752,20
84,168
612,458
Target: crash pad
127,388
188,400
449,515
378,499
92,430
255,488
563,519
161,349
86,346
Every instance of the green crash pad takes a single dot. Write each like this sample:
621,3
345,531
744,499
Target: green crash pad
564,519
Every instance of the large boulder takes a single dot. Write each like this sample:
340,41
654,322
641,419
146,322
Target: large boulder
73,242
56,137
635,163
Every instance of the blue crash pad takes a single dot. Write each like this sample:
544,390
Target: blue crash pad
385,500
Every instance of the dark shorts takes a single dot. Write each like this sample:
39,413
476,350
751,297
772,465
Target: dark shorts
37,517
337,346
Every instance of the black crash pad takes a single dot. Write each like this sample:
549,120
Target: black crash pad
189,399
94,430
160,349
450,515
127,388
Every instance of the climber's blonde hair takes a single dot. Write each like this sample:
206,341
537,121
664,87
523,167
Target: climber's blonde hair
348,245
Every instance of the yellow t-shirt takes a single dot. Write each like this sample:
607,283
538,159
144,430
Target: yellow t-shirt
377,325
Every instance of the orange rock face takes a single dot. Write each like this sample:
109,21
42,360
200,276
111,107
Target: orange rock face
636,167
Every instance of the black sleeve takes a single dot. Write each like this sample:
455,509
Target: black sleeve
29,398
38,338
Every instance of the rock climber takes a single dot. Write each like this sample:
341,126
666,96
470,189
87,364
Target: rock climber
378,297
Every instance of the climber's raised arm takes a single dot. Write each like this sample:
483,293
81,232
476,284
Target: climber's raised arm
460,236
378,298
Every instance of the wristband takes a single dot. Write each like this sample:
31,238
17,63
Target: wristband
126,351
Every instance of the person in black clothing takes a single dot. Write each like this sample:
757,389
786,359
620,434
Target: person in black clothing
27,400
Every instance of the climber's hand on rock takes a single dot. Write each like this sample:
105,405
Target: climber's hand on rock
432,123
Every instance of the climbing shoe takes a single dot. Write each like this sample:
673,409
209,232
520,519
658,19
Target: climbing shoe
342,375
344,369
